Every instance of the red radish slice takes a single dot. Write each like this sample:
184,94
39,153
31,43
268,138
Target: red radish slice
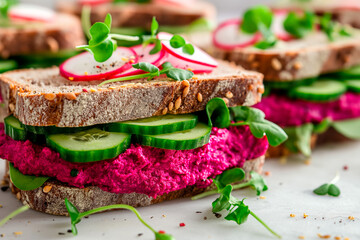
199,62
181,3
30,12
83,67
94,2
228,36
144,56
277,25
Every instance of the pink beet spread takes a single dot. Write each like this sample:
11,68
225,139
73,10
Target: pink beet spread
288,112
141,169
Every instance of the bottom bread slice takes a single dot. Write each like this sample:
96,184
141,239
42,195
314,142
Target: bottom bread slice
52,202
331,135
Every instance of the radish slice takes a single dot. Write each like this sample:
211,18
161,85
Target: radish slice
180,3
93,2
83,67
30,12
228,36
277,25
199,62
143,56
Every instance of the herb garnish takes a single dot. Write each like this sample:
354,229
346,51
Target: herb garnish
76,217
299,26
5,6
259,19
14,213
232,176
329,188
330,27
237,210
102,43
153,71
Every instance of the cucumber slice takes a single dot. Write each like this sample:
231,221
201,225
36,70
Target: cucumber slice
7,65
53,130
353,85
89,146
353,72
184,140
289,84
324,90
155,125
14,129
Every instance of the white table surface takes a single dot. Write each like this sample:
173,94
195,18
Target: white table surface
290,191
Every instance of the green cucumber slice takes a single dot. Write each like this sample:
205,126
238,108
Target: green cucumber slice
324,90
25,182
288,84
89,145
353,85
7,65
53,130
14,129
353,72
184,140
348,128
155,125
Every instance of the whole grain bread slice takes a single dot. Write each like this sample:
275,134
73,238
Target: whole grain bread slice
62,33
52,202
140,15
42,97
298,59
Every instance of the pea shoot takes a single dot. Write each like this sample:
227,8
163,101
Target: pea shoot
5,6
329,188
237,210
76,217
14,214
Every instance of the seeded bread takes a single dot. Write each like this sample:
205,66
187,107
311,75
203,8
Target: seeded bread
298,59
331,135
63,33
49,198
43,98
140,15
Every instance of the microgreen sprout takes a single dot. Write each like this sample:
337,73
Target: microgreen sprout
237,210
13,214
329,188
152,71
102,43
76,217
176,41
5,6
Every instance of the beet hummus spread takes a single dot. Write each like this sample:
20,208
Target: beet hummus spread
288,112
141,169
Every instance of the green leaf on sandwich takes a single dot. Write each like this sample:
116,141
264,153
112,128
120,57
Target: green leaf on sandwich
299,138
218,113
259,126
25,182
300,25
5,6
348,128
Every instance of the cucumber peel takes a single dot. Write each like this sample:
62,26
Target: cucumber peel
14,129
7,65
353,85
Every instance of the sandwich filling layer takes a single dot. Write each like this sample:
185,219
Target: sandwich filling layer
296,112
141,169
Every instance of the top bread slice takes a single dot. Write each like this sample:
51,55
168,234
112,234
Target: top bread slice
43,98
140,15
62,33
298,59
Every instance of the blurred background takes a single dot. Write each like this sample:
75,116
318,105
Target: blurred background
226,8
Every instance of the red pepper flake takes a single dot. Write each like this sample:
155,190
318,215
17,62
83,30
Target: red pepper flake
84,90
182,224
345,167
162,232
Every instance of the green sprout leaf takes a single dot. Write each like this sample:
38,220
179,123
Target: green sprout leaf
14,214
76,217
240,214
228,177
154,27
259,126
157,47
328,26
222,202
5,6
147,67
299,138
178,74
25,182
299,26
218,113
188,49
177,41
257,182
329,188
334,190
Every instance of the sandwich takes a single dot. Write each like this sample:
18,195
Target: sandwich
35,36
345,12
302,57
191,18
130,125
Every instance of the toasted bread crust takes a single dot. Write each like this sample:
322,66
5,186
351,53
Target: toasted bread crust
297,63
120,101
91,197
63,33
140,15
